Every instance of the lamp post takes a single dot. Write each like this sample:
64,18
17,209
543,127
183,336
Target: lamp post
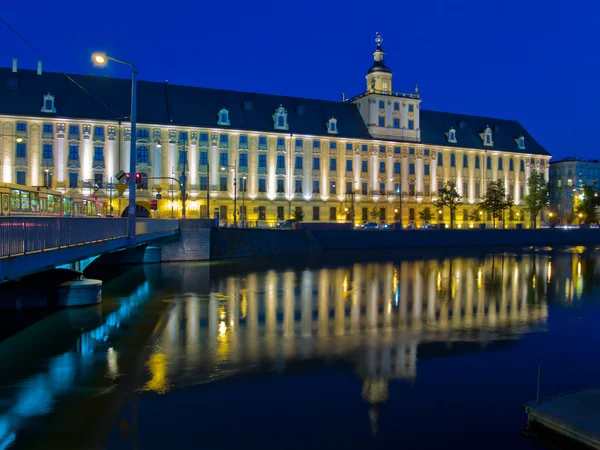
399,192
102,59
243,189
234,170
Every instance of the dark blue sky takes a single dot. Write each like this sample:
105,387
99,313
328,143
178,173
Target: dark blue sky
530,60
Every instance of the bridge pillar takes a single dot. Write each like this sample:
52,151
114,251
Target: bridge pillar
82,292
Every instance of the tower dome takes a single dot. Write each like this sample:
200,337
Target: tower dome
379,76
378,56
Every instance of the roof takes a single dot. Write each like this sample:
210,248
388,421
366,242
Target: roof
379,66
166,104
175,105
435,125
574,160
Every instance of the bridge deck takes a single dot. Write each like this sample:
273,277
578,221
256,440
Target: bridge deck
32,244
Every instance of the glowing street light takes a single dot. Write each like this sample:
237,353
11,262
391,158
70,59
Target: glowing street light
101,59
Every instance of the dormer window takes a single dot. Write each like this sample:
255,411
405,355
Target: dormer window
332,126
521,143
486,136
223,117
48,106
280,119
451,135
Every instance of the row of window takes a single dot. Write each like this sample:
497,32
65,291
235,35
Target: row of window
477,164
396,123
411,107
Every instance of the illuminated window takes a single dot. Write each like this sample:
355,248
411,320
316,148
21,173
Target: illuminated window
21,177
99,153
569,182
47,151
21,150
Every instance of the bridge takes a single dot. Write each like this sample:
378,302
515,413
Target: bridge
34,244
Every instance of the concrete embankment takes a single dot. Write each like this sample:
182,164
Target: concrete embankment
238,243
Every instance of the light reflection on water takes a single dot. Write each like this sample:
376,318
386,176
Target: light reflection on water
36,395
377,316
261,319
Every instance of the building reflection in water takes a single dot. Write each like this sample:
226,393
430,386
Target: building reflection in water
380,311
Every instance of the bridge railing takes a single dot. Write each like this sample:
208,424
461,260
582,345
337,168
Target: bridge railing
34,234
149,226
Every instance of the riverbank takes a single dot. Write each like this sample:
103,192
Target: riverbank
226,243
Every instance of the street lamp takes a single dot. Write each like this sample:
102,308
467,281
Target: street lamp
101,59
580,217
234,170
243,206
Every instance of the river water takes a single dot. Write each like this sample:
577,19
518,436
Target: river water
342,350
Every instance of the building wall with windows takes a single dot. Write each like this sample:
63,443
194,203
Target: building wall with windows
567,178
274,154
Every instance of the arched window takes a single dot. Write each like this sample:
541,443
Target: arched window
48,105
440,159
511,165
500,166
452,160
465,161
477,162
280,119
522,166
488,163
452,135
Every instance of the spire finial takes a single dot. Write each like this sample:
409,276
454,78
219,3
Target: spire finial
417,89
378,38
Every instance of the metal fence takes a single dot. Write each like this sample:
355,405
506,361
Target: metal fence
28,235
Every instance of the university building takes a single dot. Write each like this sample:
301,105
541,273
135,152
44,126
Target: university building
273,154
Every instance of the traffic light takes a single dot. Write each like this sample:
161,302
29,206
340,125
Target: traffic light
153,205
138,178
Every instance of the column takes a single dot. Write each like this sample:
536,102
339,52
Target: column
307,169
252,168
110,155
35,155
60,160
404,171
458,158
125,148
157,166
341,171
232,171
357,168
271,168
193,161
389,168
506,171
420,172
289,278
527,175
471,177
433,172
213,162
86,154
373,169
323,301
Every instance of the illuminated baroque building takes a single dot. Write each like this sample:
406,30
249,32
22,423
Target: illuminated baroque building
287,152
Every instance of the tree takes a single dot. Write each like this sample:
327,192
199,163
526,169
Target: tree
449,197
425,215
475,215
495,200
374,213
298,215
588,203
538,195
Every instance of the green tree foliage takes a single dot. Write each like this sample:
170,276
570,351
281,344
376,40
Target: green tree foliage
448,197
589,201
298,215
495,201
538,195
374,214
425,215
474,215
